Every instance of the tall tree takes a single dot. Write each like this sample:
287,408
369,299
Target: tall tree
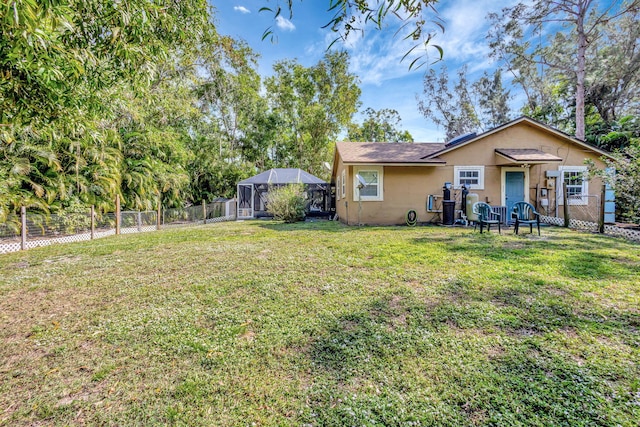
313,104
493,99
454,110
91,43
516,30
613,79
379,126
103,105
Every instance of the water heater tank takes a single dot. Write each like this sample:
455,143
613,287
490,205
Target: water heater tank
471,199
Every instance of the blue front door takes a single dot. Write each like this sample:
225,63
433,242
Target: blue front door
513,190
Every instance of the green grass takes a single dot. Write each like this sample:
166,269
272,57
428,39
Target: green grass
259,323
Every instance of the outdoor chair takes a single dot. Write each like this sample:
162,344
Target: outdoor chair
525,213
486,216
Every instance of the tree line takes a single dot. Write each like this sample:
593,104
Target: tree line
146,100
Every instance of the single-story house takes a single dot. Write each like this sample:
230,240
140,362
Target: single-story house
523,160
252,192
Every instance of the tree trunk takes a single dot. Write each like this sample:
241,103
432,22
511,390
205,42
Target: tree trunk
580,73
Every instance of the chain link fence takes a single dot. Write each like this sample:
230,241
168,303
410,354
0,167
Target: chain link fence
33,229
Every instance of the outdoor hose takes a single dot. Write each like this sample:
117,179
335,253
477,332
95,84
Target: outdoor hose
411,217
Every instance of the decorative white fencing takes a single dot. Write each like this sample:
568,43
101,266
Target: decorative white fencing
611,230
33,230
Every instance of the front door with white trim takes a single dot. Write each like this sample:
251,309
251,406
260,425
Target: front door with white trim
513,189
515,181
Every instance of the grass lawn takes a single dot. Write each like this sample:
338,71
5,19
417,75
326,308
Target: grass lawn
260,323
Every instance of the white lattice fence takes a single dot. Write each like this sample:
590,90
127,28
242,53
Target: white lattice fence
611,230
578,224
552,220
221,219
5,248
622,232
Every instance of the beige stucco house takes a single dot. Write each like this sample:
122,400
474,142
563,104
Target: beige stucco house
378,183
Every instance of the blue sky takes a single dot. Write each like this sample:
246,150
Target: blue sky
375,57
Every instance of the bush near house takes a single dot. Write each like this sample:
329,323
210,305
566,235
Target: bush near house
287,203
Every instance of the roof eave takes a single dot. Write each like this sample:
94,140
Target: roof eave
355,163
528,161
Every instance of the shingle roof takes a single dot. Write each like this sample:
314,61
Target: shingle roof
527,155
531,122
388,152
283,176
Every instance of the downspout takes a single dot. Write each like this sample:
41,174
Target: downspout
346,208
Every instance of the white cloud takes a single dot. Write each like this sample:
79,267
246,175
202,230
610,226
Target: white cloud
376,56
285,24
241,9
466,27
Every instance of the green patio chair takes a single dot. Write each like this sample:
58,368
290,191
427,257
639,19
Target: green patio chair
486,216
525,213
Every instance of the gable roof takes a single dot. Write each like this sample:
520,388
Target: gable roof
283,176
531,122
389,153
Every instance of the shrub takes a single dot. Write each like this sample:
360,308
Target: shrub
75,218
626,180
287,203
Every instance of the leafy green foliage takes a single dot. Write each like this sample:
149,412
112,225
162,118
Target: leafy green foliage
287,203
110,102
454,110
625,180
593,58
311,105
379,126
614,135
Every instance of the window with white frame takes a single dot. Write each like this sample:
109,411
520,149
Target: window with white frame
575,177
471,177
344,183
338,187
372,188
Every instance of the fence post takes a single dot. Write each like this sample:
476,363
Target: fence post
565,207
139,222
117,214
23,228
158,218
204,211
603,195
93,221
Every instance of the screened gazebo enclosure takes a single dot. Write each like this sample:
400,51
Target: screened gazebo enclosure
252,192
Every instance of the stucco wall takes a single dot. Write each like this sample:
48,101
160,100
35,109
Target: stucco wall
407,187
